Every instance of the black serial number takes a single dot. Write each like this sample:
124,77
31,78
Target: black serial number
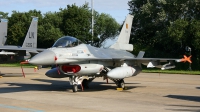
29,45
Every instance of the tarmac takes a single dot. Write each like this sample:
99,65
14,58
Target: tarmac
146,92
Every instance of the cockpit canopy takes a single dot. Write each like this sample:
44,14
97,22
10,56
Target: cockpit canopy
67,41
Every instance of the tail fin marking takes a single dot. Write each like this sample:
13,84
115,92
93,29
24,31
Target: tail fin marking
3,31
31,36
124,36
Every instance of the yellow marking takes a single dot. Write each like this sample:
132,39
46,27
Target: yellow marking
126,26
119,89
0,76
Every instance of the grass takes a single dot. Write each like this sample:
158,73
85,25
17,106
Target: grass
17,65
172,71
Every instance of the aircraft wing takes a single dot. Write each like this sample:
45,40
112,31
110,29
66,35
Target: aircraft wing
141,60
158,62
22,49
148,59
149,62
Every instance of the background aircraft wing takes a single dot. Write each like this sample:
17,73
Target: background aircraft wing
22,49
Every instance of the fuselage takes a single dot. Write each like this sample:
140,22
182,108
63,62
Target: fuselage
80,53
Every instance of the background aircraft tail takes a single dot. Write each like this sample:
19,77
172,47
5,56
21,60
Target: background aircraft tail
31,36
3,31
124,36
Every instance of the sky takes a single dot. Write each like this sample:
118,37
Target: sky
118,9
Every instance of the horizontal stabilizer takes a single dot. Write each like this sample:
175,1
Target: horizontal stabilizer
128,47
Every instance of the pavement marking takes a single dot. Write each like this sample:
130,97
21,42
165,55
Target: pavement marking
120,89
20,108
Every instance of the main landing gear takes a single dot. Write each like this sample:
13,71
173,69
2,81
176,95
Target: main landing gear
83,81
85,84
74,81
75,88
120,83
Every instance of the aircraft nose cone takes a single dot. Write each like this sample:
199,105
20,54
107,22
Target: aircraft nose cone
46,57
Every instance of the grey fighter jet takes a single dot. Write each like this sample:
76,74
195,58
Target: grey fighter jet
3,30
82,63
29,46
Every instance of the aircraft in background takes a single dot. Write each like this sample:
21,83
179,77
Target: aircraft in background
82,63
12,53
3,30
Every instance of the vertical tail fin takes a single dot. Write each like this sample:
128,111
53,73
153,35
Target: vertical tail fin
124,36
31,36
3,31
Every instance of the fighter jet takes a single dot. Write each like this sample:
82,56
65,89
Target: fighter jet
29,46
3,30
82,63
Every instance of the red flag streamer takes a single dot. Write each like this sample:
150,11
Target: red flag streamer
25,62
22,71
82,87
58,69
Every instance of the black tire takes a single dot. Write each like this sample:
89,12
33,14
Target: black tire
75,88
121,84
85,84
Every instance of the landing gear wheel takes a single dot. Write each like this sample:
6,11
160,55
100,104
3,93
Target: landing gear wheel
121,84
75,88
85,83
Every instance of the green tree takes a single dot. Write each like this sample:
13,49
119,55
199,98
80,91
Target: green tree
106,27
76,21
72,21
164,27
4,15
49,29
18,25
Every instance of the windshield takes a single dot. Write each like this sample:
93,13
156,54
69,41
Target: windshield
67,41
